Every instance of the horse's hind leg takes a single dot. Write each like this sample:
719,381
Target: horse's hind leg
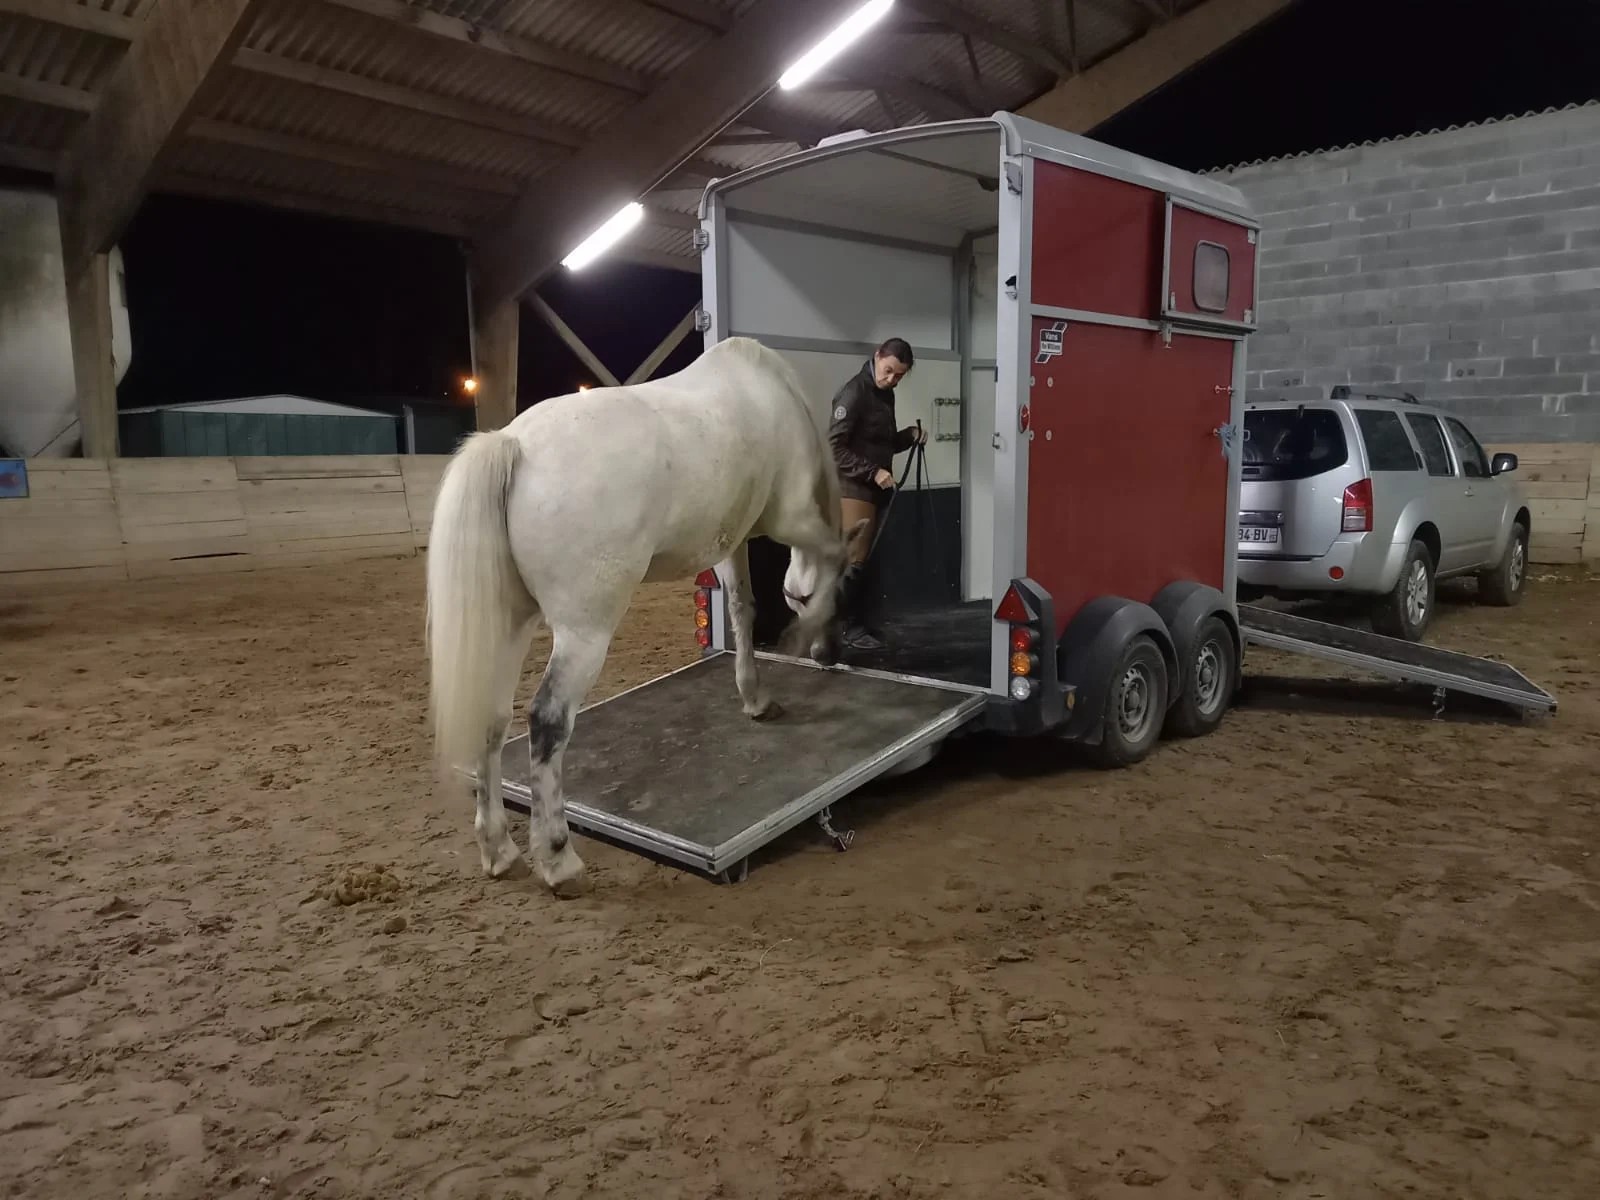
575,662
497,849
741,614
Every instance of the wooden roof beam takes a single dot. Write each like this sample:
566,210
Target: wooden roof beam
166,76
643,146
1100,92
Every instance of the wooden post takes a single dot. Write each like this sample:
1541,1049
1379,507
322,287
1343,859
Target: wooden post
89,321
496,336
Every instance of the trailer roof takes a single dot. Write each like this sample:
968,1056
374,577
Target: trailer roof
449,115
937,183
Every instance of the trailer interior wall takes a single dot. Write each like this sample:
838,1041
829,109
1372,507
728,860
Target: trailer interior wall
824,261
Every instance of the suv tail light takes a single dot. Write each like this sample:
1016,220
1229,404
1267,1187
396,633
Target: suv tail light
1358,507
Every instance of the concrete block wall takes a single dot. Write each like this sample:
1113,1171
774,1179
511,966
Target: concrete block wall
1463,266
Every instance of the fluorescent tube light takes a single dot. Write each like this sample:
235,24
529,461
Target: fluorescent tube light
602,239
829,48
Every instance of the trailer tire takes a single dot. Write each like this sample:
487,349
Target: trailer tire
1209,679
1135,704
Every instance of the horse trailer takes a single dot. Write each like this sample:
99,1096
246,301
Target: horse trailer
1079,317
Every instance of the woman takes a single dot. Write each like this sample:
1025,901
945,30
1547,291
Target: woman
865,440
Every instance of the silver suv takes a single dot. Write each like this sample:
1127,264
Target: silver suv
1376,496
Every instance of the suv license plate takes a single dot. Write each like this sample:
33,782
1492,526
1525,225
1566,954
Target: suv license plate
1260,534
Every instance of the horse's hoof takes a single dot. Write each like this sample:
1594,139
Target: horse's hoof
571,889
771,712
519,869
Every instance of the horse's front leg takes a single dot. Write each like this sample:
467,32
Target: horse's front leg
741,614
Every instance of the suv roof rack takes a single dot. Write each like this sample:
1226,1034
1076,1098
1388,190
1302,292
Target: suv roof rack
1341,391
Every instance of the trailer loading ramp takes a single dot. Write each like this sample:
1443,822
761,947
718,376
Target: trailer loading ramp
1393,658
674,768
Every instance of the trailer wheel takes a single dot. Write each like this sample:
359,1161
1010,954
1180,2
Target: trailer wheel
1135,704
1209,682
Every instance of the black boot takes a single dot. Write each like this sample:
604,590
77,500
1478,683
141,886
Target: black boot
851,604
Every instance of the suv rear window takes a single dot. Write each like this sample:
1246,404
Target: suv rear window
1286,443
1388,448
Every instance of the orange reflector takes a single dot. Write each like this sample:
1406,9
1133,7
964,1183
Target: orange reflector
702,598
701,618
703,637
1021,640
1020,663
706,578
1011,607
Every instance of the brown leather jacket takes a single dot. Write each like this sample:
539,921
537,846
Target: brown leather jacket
863,435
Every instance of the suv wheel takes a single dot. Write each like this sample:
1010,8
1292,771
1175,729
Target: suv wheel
1503,584
1407,611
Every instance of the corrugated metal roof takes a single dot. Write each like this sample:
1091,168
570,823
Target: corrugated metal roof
257,102
384,52
350,101
48,53
630,35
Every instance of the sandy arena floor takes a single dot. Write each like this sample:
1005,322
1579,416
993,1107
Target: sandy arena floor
1320,954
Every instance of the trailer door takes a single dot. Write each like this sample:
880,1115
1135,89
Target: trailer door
1128,483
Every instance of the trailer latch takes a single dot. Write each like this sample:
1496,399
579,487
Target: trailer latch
702,320
1228,435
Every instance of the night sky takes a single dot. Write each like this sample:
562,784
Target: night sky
231,301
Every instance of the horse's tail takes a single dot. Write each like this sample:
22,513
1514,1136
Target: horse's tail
477,600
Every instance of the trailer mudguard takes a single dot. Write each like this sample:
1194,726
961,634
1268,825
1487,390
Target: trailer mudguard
1183,607
1090,647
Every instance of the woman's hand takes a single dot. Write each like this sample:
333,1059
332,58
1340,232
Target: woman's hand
884,479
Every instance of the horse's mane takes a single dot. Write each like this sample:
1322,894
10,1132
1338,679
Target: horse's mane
752,351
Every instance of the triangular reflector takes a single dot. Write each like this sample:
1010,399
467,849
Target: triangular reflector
706,578
1012,609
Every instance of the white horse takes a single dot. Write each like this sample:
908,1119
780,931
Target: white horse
565,511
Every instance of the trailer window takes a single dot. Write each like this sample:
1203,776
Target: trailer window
1282,444
1210,277
1388,447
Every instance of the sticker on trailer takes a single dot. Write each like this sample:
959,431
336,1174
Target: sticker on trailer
1050,341
13,479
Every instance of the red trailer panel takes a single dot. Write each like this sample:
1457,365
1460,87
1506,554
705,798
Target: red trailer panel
1096,243
1127,483
1211,267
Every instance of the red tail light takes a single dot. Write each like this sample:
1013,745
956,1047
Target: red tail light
1358,507
705,584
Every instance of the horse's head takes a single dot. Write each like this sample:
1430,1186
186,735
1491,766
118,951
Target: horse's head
800,580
